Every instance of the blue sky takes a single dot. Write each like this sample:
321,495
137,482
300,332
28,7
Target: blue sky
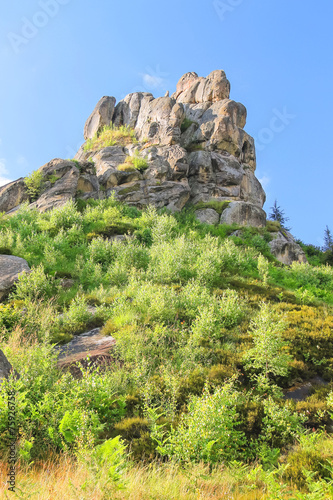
58,57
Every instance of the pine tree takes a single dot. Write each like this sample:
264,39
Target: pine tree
278,214
328,241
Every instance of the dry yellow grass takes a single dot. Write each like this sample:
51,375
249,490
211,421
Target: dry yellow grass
66,479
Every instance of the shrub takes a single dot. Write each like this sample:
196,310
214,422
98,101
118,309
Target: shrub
34,184
268,354
208,432
34,285
133,163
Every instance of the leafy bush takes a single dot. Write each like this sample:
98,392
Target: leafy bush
34,285
34,184
208,432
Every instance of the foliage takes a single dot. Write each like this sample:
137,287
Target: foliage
208,432
133,163
268,354
34,184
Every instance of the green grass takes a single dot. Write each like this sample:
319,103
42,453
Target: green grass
111,136
218,206
133,163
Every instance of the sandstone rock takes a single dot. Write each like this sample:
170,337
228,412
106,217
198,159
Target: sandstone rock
244,214
10,268
285,249
101,116
12,195
207,216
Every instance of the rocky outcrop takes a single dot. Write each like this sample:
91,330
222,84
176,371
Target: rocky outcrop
285,249
191,146
10,269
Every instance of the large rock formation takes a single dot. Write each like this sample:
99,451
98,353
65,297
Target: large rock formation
166,151
195,147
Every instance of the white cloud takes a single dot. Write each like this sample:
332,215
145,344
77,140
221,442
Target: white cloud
3,173
264,180
153,81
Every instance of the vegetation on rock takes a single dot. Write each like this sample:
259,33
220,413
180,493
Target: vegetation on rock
110,136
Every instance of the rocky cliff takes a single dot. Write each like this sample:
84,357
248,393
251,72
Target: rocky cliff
189,147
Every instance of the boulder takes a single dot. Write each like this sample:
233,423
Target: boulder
63,190
12,195
243,214
10,268
101,116
285,249
5,367
207,216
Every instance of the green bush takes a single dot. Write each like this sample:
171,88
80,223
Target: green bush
34,184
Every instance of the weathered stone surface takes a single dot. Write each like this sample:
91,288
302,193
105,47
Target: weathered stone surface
285,249
193,89
244,214
101,116
90,344
207,216
10,268
63,190
56,167
12,195
172,195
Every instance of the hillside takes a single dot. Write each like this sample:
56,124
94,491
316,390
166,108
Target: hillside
210,368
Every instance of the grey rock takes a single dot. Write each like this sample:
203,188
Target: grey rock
5,367
10,269
101,116
244,214
64,189
207,216
285,249
12,195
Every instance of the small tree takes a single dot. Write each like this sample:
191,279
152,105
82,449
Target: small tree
328,247
278,214
268,354
328,240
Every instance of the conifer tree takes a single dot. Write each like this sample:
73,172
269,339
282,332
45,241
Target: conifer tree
278,215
